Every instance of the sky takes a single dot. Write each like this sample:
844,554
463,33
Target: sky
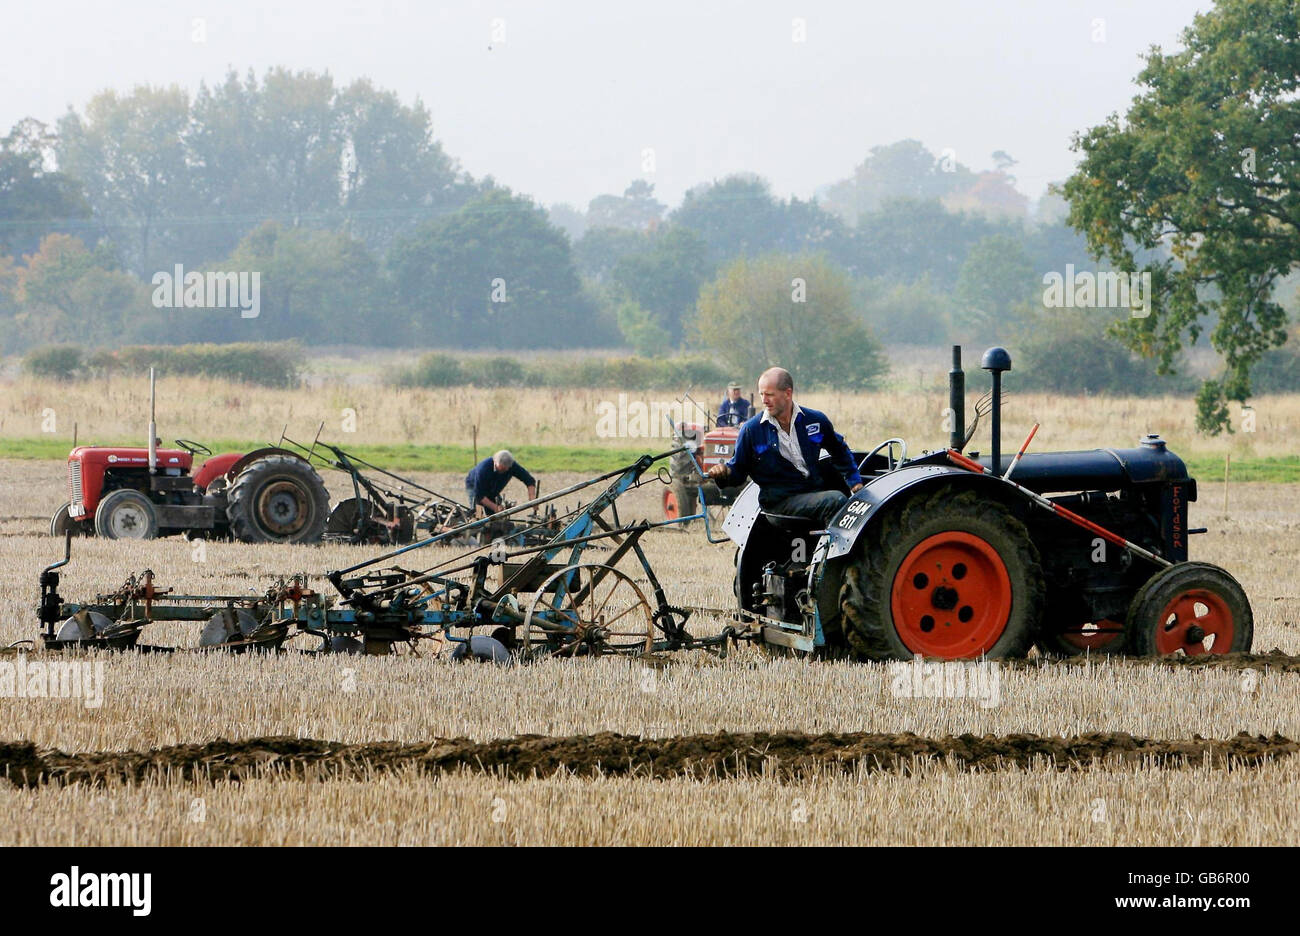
566,100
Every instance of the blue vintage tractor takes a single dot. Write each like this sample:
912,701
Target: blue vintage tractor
945,557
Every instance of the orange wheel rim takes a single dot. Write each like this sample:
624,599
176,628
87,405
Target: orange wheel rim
1095,636
951,596
1195,622
671,510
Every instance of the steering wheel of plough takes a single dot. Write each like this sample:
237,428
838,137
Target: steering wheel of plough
193,447
888,444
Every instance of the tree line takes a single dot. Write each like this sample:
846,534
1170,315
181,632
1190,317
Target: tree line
365,231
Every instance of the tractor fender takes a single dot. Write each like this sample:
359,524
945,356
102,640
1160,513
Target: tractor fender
254,455
215,467
860,510
830,554
744,511
856,514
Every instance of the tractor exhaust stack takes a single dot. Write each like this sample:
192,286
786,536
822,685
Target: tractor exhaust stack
153,428
957,401
996,360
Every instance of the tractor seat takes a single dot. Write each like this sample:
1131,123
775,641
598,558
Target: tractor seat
789,523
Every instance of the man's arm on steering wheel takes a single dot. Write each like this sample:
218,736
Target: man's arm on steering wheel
842,459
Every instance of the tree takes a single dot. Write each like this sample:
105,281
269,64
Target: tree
66,292
994,287
496,273
177,181
1203,168
992,194
641,330
317,287
34,201
130,155
795,311
739,216
906,240
601,249
637,209
735,217
665,280
1073,354
395,174
902,170
568,219
906,313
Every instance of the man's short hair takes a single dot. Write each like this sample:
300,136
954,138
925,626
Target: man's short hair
504,459
781,376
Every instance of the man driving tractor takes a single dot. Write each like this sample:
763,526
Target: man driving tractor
734,408
487,479
780,451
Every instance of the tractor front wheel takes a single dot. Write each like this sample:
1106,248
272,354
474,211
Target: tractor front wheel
126,514
948,575
1194,607
278,499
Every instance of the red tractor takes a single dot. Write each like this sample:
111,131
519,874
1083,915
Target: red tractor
271,495
708,447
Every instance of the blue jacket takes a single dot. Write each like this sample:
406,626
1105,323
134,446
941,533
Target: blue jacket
733,413
487,482
758,456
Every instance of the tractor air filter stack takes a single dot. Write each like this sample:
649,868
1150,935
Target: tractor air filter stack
957,401
996,360
153,428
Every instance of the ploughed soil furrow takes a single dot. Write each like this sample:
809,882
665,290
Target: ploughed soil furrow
787,755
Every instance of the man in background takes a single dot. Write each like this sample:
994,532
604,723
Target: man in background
487,479
735,409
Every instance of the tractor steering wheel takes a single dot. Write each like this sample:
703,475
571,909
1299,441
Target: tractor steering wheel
889,444
193,447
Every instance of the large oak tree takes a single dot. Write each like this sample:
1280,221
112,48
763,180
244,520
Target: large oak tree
1199,184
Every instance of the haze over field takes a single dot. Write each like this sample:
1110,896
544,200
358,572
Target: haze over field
561,100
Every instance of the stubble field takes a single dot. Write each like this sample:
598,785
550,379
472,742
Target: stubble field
701,749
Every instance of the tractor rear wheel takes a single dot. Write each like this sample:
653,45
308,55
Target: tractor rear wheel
126,514
1194,607
948,575
277,499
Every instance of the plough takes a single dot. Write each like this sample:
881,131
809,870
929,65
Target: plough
386,509
942,555
538,600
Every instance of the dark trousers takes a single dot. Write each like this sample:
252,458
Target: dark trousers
473,501
818,506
